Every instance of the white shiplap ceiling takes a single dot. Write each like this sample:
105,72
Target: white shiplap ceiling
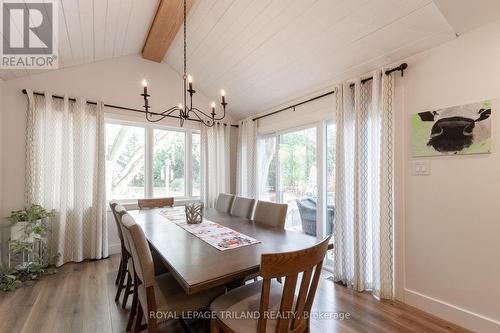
95,30
268,52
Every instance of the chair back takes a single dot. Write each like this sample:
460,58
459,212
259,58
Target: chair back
243,207
224,202
155,203
294,310
141,254
271,213
112,205
120,211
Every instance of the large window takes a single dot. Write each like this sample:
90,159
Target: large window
297,167
146,161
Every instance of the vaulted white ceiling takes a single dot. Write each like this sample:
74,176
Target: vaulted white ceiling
95,30
268,52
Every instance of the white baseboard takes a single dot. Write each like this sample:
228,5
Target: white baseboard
457,315
114,248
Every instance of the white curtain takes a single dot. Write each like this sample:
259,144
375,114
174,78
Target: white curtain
246,168
65,172
363,230
215,143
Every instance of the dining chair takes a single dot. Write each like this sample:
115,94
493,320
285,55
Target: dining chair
125,282
155,203
271,213
280,309
158,293
224,202
243,207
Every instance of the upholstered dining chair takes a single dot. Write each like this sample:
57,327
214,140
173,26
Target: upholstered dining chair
124,278
243,207
270,213
280,309
224,202
155,203
158,293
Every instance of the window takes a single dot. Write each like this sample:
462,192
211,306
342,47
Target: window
298,179
150,161
168,163
297,167
125,151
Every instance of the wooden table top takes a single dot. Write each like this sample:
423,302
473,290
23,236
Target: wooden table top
198,266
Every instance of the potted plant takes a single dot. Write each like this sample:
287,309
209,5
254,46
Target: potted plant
27,223
28,248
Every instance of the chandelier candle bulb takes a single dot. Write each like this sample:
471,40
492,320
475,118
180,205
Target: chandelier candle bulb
145,85
190,81
223,94
213,107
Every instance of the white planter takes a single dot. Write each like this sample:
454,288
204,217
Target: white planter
17,232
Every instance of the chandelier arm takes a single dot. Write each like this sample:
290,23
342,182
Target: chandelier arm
203,113
169,111
206,123
151,120
223,116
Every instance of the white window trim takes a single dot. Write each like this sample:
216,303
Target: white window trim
149,156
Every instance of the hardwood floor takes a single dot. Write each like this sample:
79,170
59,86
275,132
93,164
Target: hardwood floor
80,298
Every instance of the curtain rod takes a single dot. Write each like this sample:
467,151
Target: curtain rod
115,106
401,68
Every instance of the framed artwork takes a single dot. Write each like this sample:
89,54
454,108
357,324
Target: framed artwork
463,129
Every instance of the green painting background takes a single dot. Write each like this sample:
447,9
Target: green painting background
421,133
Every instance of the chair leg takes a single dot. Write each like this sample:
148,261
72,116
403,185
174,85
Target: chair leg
133,310
121,283
119,271
138,319
152,324
214,327
127,290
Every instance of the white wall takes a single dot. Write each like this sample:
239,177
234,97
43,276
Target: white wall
451,244
116,81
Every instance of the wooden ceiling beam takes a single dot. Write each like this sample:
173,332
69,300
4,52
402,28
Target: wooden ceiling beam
167,22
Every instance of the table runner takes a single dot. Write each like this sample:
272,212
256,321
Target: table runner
219,236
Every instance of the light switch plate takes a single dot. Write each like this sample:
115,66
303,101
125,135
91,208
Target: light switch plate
421,168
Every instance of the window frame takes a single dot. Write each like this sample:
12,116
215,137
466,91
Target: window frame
149,157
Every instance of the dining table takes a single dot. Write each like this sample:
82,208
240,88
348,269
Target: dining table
197,265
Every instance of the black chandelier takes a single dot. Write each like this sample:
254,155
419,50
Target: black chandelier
185,111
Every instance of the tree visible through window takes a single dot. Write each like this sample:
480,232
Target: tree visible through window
125,149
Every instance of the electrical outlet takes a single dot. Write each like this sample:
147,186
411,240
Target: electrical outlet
421,168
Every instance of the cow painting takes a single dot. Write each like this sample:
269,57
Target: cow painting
464,129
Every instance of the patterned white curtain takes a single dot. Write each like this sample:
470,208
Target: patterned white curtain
215,177
363,230
246,169
65,172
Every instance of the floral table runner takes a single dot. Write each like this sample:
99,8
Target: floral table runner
219,236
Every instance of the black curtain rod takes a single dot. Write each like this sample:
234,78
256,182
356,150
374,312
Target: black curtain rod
401,68
116,107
